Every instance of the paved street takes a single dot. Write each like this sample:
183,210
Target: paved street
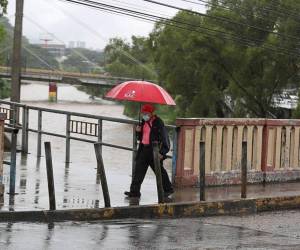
278,230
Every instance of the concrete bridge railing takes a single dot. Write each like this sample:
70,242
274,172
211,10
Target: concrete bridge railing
272,150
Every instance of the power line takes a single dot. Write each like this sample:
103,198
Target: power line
5,49
122,9
165,21
98,35
223,6
176,23
222,19
278,11
285,9
139,8
30,52
40,59
75,51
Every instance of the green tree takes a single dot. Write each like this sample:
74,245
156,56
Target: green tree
215,74
3,6
132,60
4,89
84,60
34,56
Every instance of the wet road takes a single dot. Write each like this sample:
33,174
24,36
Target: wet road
279,230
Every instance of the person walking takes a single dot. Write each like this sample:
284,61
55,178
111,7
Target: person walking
151,130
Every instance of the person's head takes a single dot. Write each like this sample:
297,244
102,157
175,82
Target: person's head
147,111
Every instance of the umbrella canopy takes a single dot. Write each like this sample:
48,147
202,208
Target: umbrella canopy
140,91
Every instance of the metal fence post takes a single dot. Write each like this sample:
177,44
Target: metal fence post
102,175
156,160
100,125
39,136
174,155
244,170
24,130
68,133
51,188
202,170
27,130
13,160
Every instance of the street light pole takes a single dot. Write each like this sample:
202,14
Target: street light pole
16,58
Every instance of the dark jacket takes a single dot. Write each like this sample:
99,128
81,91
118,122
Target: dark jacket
158,133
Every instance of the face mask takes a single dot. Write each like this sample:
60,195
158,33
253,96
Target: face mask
146,117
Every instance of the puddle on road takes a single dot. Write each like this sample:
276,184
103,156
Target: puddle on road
139,234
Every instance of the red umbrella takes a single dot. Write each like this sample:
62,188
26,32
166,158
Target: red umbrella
140,91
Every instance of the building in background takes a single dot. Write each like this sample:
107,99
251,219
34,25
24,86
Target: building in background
57,50
71,44
77,44
80,44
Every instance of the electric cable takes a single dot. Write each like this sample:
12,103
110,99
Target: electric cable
143,16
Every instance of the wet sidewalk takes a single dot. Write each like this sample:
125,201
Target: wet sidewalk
234,192
77,184
78,187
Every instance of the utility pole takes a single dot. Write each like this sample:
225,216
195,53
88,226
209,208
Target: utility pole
17,46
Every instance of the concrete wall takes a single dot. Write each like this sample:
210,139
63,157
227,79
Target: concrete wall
272,150
2,118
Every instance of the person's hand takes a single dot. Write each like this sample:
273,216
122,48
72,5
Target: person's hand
160,156
138,128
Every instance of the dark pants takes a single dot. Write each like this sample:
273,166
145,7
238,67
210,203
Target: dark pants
144,159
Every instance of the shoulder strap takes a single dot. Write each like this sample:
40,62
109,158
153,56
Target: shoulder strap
149,124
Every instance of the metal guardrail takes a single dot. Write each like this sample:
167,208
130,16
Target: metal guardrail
13,157
91,129
7,111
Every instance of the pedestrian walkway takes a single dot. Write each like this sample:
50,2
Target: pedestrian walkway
77,186
234,192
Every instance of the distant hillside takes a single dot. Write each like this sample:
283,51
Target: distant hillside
35,56
84,60
32,56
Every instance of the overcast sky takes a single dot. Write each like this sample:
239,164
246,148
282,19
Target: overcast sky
63,22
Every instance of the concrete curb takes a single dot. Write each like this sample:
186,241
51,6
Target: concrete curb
158,211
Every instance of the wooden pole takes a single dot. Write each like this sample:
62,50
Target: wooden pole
50,179
156,160
101,172
17,45
244,170
202,170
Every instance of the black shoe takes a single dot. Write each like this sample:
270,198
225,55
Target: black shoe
132,195
169,192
